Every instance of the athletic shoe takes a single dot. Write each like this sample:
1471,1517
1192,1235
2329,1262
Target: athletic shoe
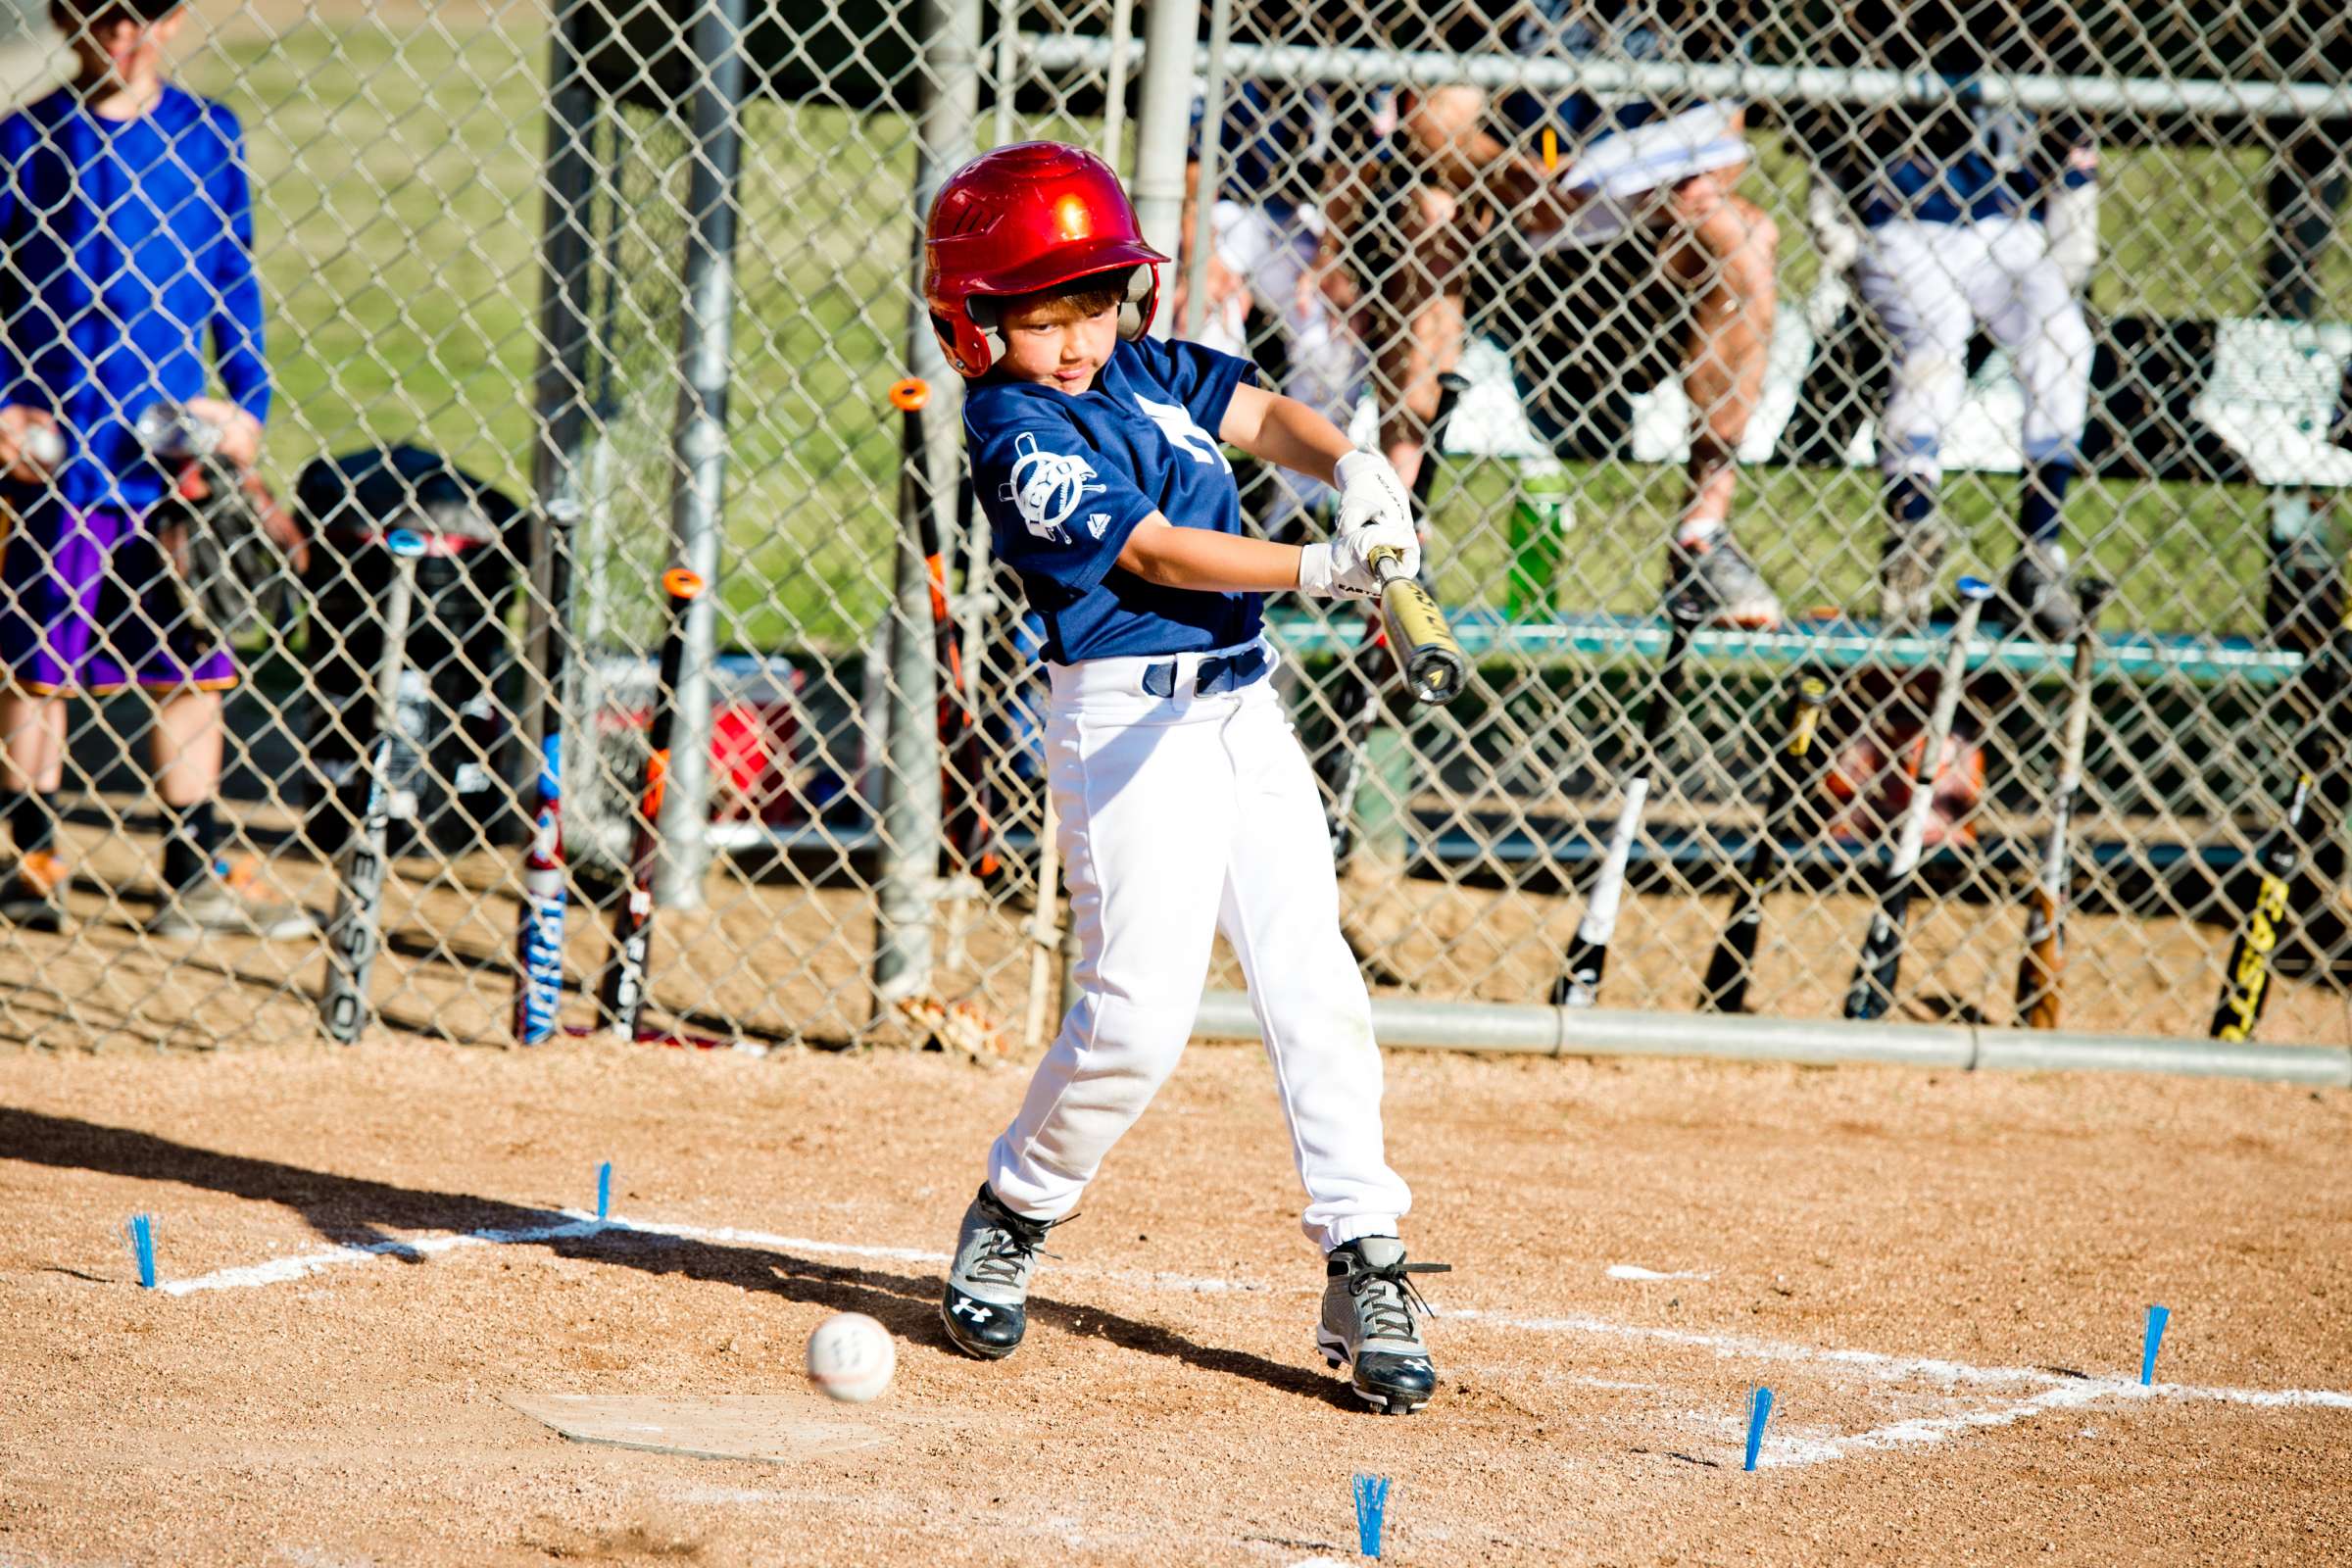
1368,1306
231,904
985,1307
2035,594
32,898
1907,573
1718,574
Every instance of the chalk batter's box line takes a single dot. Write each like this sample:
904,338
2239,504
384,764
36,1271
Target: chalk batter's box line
2054,1392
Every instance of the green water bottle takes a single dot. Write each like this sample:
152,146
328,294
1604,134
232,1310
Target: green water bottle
1538,525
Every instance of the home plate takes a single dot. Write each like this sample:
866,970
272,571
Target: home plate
772,1427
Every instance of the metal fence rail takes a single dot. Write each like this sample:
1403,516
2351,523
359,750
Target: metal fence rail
646,273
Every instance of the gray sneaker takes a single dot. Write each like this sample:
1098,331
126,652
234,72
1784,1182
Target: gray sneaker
231,904
985,1305
1368,1306
2035,594
1907,573
1717,573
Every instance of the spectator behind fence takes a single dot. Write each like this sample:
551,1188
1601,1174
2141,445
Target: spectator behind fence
125,237
1970,212
1622,257
1281,143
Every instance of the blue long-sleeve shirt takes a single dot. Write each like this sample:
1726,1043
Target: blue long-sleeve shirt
124,245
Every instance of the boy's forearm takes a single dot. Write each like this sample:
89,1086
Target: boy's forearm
1289,433
1202,562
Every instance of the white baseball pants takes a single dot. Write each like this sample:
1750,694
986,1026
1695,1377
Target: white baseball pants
1181,817
1929,284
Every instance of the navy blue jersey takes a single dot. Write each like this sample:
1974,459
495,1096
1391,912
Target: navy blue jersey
1957,165
1960,159
1065,479
1624,32
1277,141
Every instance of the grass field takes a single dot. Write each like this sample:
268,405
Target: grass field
399,167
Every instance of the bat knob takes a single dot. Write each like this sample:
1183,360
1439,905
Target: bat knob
910,394
1975,588
405,542
681,582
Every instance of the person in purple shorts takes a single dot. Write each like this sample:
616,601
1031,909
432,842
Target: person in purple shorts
125,245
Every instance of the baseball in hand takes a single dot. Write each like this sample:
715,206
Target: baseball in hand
44,446
851,1357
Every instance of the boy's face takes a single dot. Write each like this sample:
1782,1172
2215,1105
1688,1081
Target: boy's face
1057,343
115,44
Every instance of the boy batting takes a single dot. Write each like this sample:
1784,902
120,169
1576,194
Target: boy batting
1184,803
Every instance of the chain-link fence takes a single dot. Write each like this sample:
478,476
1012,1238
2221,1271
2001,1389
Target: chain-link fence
1795,312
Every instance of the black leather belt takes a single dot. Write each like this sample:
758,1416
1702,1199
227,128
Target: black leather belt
1228,673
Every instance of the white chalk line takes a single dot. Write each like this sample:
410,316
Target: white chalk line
1634,1271
2057,1390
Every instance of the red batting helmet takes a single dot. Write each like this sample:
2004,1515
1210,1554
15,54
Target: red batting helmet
1020,218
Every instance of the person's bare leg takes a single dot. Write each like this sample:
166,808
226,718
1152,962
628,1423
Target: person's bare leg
1722,251
185,746
1419,336
32,756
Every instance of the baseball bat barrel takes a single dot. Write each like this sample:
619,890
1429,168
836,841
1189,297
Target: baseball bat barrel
1579,983
620,993
355,936
2246,975
1422,644
1725,988
539,933
1881,961
2037,971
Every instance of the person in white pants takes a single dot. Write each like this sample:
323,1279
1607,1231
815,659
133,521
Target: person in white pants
1950,216
1186,804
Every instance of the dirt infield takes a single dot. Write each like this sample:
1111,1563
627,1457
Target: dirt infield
1941,1277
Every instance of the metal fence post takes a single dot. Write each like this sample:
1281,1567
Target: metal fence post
1170,28
705,346
912,825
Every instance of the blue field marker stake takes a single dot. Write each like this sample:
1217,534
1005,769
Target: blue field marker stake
604,1192
1371,1507
141,1231
1759,1412
2158,1317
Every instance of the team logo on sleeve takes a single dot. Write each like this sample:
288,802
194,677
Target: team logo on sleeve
1047,487
1175,421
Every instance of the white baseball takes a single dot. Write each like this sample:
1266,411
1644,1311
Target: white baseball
44,446
851,1357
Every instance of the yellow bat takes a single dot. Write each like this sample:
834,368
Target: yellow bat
1422,644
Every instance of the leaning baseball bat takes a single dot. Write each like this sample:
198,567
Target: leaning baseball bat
960,736
1364,701
2037,971
356,933
2246,975
1579,984
620,993
1881,959
1725,988
539,929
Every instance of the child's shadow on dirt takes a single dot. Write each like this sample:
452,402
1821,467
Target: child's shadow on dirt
354,1212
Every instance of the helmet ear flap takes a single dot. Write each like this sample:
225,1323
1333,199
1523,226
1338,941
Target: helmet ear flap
970,347
1141,302
981,311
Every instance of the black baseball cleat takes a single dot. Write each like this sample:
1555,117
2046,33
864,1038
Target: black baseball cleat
1368,1307
985,1304
2036,597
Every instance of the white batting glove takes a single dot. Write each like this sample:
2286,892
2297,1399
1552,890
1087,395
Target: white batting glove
1342,568
1370,492
2071,220
1834,235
